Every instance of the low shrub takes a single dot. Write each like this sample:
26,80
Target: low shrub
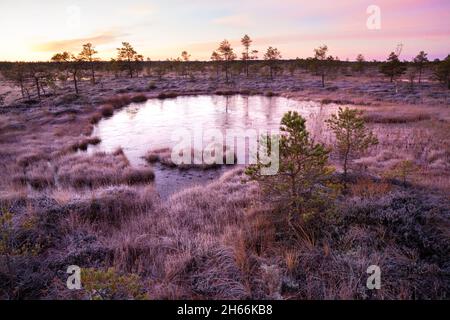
107,110
84,144
138,176
119,101
167,95
109,284
95,118
139,98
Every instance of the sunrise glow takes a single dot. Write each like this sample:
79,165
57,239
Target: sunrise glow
35,30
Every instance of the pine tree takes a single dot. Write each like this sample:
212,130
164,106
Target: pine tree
301,185
442,72
18,75
227,55
73,63
321,63
247,55
216,58
360,63
393,67
128,55
87,54
352,136
419,62
185,56
271,56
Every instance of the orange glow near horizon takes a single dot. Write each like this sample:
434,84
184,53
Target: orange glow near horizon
35,30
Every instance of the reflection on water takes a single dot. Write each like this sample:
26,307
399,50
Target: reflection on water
141,127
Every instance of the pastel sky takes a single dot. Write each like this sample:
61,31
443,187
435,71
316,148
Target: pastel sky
160,29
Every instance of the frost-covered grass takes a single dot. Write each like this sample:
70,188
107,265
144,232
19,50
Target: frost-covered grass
222,240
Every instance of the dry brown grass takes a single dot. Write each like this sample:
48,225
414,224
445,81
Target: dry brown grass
396,117
100,169
27,159
367,188
196,161
183,240
113,206
216,241
119,101
425,143
84,143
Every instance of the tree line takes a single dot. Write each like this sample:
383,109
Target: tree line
66,66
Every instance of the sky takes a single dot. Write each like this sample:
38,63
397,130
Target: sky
34,30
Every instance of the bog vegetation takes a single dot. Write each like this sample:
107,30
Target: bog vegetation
368,185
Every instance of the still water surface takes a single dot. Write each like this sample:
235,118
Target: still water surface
142,127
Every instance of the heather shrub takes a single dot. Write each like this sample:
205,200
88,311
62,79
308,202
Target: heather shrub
403,171
109,284
95,118
167,95
138,175
151,85
408,219
28,158
84,144
118,102
107,110
139,98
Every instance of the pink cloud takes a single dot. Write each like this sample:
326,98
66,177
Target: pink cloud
75,44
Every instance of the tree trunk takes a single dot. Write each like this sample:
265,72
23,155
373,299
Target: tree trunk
36,81
346,154
323,80
75,82
226,71
246,66
345,167
130,69
92,73
420,74
22,90
246,62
